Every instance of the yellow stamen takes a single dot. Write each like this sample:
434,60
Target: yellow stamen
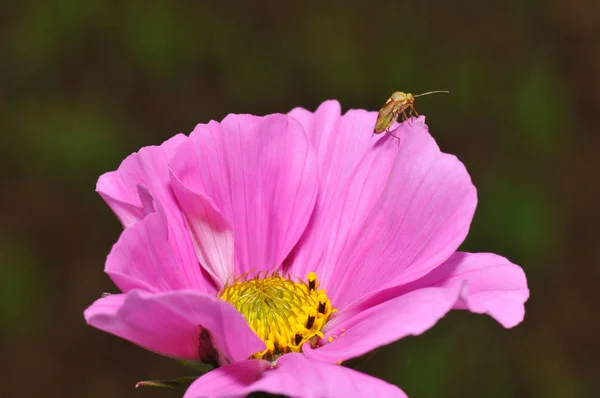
283,313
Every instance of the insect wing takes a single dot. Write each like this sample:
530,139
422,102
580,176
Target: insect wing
387,116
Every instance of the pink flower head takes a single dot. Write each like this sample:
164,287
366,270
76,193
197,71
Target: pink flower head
279,246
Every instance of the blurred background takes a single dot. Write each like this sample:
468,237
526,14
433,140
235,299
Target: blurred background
84,84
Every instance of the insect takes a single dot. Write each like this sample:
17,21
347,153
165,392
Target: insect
397,104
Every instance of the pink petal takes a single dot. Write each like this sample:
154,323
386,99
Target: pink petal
211,232
142,258
261,174
148,167
168,323
493,285
321,128
354,168
354,333
421,217
294,376
143,178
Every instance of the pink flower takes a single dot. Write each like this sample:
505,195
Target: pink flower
279,246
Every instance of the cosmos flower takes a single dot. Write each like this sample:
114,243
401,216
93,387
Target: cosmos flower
278,247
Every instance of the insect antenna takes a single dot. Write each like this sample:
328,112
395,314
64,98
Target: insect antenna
431,92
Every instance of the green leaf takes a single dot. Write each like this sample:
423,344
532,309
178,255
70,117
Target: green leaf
197,366
179,384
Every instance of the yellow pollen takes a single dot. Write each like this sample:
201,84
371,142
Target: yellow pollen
283,313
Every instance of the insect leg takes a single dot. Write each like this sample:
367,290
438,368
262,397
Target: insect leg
406,118
412,112
395,136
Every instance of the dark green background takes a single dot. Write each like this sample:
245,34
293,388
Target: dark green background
84,84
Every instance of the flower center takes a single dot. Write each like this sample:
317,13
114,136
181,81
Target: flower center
283,313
